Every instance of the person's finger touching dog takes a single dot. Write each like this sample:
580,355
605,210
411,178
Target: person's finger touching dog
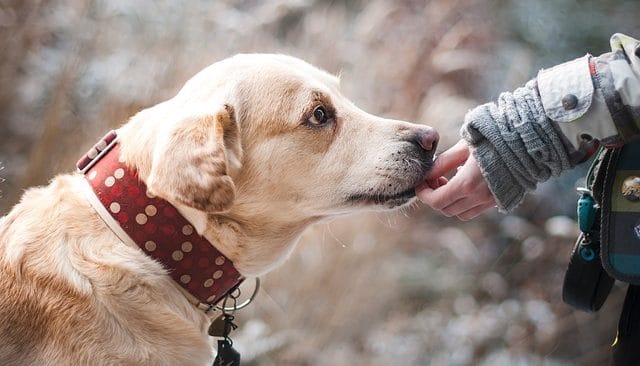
466,195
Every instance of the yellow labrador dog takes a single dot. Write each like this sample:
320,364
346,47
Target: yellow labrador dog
250,152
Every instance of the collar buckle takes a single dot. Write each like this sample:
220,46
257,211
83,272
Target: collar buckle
100,149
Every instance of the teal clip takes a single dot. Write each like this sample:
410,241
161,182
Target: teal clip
586,210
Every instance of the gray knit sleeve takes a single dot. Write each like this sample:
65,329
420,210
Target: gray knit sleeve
516,145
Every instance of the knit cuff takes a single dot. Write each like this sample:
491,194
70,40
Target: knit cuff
515,144
504,187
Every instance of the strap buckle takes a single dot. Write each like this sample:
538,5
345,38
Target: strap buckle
100,149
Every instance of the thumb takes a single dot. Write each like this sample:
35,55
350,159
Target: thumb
449,160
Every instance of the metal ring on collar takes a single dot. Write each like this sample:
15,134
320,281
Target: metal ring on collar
243,304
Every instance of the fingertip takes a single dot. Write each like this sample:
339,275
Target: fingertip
424,185
449,160
446,212
464,218
434,183
422,193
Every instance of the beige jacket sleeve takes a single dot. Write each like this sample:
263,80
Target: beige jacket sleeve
595,98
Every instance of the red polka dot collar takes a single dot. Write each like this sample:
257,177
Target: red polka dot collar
154,225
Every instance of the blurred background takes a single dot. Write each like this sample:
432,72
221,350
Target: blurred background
401,288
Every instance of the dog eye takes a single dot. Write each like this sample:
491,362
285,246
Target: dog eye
319,117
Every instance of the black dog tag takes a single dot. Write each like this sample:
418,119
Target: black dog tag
227,356
218,327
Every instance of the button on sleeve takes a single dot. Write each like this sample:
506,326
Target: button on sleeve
566,90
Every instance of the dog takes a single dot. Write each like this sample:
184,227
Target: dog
251,151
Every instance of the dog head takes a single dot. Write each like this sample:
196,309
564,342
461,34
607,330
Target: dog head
263,145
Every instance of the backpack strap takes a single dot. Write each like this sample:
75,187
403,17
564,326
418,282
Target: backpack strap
586,284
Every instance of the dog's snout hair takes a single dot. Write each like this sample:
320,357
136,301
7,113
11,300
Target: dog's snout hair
420,150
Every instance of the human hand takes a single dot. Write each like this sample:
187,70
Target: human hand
466,195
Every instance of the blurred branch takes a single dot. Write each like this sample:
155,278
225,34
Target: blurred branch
58,107
1,179
17,19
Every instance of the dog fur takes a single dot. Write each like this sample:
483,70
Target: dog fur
241,153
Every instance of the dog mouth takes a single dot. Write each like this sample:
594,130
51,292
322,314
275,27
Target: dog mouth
404,177
384,199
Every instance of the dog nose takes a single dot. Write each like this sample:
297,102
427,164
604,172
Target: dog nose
427,138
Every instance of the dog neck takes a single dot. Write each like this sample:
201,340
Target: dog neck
156,226
265,241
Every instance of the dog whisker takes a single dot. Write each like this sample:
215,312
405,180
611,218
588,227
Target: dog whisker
335,237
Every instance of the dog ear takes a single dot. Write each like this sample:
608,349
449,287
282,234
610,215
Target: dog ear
191,163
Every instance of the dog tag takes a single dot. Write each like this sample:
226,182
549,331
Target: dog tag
218,327
227,356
